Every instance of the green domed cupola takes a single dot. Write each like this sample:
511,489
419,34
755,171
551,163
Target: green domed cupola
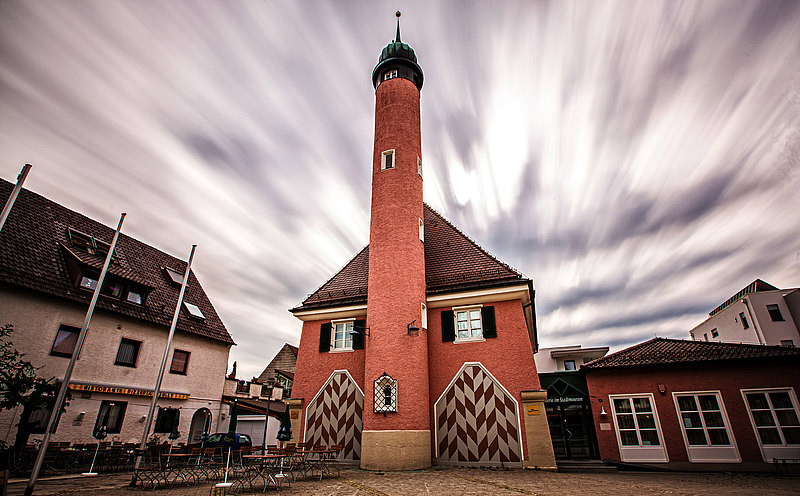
397,60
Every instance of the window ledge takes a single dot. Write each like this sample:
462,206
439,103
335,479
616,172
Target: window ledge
347,350
471,340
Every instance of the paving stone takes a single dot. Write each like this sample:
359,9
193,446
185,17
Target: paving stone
460,481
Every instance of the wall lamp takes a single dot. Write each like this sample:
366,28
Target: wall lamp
603,411
364,331
81,415
413,330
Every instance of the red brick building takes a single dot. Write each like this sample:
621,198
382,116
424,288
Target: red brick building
694,405
420,350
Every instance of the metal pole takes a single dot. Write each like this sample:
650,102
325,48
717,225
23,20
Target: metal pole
149,421
10,203
266,424
55,415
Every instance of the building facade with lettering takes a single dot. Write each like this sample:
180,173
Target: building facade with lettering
50,260
697,405
421,349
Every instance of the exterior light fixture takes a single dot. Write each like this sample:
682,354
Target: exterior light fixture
357,330
603,411
81,415
142,418
413,330
662,388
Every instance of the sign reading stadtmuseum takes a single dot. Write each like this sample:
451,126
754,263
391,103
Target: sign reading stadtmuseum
93,388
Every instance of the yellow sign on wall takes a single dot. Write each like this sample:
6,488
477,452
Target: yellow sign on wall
122,390
533,410
295,414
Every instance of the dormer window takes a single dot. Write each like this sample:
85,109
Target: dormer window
134,297
387,159
390,74
174,277
194,311
89,244
88,282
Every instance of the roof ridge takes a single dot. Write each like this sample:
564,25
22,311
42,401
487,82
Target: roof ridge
309,295
624,350
479,247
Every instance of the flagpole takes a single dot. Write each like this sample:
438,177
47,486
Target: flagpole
157,389
55,414
11,199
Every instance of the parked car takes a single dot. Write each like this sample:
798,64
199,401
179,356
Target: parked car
225,439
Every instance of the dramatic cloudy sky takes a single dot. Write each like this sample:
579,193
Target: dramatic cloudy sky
638,160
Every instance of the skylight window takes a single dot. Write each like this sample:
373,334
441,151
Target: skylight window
174,276
194,311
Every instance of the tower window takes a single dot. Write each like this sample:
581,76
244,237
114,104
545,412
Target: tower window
743,319
419,166
387,159
390,74
421,230
385,394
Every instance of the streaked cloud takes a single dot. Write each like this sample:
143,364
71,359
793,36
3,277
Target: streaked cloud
639,160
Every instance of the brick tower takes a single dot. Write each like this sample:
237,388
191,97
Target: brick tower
396,431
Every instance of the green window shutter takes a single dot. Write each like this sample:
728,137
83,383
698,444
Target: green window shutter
448,326
325,337
489,328
359,327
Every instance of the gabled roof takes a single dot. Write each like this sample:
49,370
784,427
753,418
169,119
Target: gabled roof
664,351
36,253
284,362
452,262
754,287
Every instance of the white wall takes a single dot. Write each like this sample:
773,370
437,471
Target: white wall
36,319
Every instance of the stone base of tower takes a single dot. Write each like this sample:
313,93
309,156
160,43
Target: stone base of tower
395,450
537,432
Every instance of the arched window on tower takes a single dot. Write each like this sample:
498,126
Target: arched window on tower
385,394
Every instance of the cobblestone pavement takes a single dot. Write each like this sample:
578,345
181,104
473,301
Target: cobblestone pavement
462,481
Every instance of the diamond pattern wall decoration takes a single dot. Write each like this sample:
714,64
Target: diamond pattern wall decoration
477,421
335,415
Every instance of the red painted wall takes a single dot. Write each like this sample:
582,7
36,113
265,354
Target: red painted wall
508,357
728,379
314,367
396,287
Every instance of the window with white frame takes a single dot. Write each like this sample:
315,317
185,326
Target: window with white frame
387,159
468,324
421,230
341,339
424,316
638,429
419,166
706,431
775,416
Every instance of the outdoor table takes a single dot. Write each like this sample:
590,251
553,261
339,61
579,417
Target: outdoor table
263,467
182,467
322,460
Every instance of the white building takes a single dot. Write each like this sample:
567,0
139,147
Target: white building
564,358
758,314
50,260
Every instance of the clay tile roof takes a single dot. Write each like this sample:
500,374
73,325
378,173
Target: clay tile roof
452,262
664,351
36,254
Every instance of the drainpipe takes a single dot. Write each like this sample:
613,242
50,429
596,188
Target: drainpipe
759,335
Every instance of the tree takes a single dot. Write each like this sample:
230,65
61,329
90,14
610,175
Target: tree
20,386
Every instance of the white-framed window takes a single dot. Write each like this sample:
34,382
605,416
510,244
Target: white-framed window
390,74
468,323
705,427
776,421
341,339
637,428
424,316
421,230
419,166
387,159
570,365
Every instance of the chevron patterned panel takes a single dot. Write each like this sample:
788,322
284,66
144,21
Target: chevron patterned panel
335,416
477,421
